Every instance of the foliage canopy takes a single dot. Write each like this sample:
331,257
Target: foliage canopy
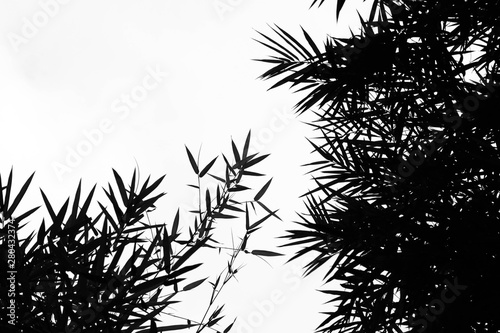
406,206
118,272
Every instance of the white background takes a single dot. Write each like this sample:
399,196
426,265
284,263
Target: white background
65,67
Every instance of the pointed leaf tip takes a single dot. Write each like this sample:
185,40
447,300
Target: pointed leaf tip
266,253
235,152
192,161
193,285
262,190
247,145
207,167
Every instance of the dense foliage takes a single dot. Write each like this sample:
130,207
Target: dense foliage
117,271
406,207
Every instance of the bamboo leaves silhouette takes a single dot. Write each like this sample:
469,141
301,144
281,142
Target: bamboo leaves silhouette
401,156
105,274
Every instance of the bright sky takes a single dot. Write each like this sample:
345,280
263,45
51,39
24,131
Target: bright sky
87,86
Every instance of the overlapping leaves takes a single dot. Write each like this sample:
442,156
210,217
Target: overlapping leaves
406,176
117,272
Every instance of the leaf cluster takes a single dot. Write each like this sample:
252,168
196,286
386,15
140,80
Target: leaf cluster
118,272
406,172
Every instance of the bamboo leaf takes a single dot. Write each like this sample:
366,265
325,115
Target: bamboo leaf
255,160
41,233
20,195
180,271
340,4
265,253
218,178
193,285
223,216
235,152
218,195
228,166
294,43
7,194
247,218
86,204
146,286
145,191
121,187
207,167
244,242
167,251
76,202
28,213
251,173
234,208
238,188
247,145
132,187
175,224
262,191
170,328
49,208
289,56
111,196
312,44
208,203
192,161
259,222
